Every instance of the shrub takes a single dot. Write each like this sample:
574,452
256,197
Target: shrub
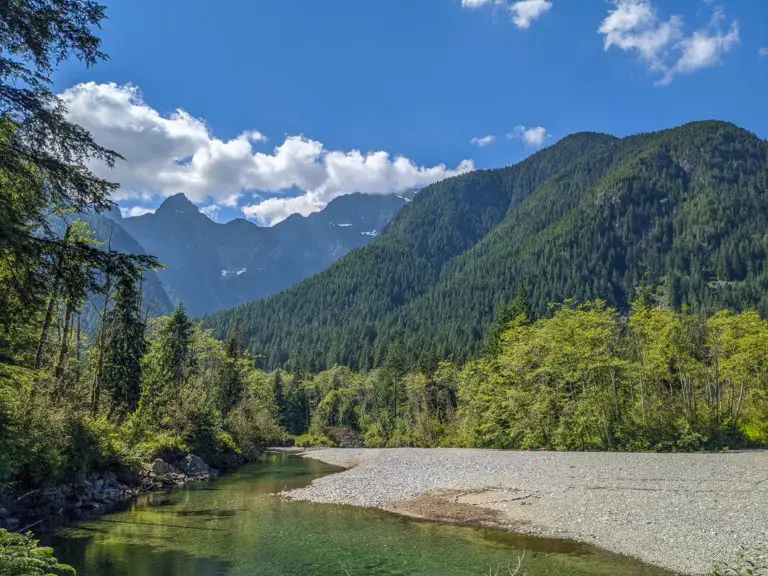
310,441
252,427
165,444
20,555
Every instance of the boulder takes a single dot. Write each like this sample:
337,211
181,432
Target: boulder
193,465
161,467
127,475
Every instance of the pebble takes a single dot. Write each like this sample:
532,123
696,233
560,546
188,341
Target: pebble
659,508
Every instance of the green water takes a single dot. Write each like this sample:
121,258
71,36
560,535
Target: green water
234,526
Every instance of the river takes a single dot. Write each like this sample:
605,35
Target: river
235,526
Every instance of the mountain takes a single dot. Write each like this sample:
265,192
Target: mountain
105,229
210,266
593,216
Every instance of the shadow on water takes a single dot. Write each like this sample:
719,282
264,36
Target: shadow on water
139,559
236,526
207,513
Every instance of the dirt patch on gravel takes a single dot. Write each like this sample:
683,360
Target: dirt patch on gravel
461,507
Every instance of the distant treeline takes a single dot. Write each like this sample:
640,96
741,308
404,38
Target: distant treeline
585,378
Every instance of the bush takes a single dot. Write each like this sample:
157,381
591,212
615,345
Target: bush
165,444
20,555
95,444
253,428
42,450
310,441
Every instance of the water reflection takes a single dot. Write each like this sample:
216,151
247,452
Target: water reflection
235,526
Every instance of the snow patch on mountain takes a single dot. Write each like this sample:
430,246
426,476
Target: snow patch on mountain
231,273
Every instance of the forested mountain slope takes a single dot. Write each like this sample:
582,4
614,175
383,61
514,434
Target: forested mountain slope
592,216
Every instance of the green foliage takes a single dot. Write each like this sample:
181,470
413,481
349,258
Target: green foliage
187,404
585,378
122,368
753,562
519,312
21,555
166,444
310,441
178,362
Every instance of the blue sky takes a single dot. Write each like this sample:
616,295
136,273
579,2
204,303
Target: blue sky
276,96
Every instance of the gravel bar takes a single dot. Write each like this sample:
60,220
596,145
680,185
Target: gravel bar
678,511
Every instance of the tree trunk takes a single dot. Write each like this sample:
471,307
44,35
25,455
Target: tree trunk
78,334
64,347
96,387
51,305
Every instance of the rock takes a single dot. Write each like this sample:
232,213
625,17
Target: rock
127,475
194,466
161,467
3,512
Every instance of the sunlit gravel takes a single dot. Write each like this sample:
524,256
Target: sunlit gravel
679,511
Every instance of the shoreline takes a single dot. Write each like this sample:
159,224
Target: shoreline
680,512
99,493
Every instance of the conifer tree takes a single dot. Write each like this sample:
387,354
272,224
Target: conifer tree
519,311
122,367
178,361
231,385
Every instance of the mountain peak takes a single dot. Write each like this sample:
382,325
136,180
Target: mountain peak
177,203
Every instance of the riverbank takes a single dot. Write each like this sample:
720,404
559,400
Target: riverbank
677,511
98,493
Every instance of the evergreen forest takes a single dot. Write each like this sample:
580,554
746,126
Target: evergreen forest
604,294
682,211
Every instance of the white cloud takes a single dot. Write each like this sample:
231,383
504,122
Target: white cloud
348,172
526,11
702,50
483,141
522,13
176,153
636,26
533,137
274,210
211,211
763,52
136,211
